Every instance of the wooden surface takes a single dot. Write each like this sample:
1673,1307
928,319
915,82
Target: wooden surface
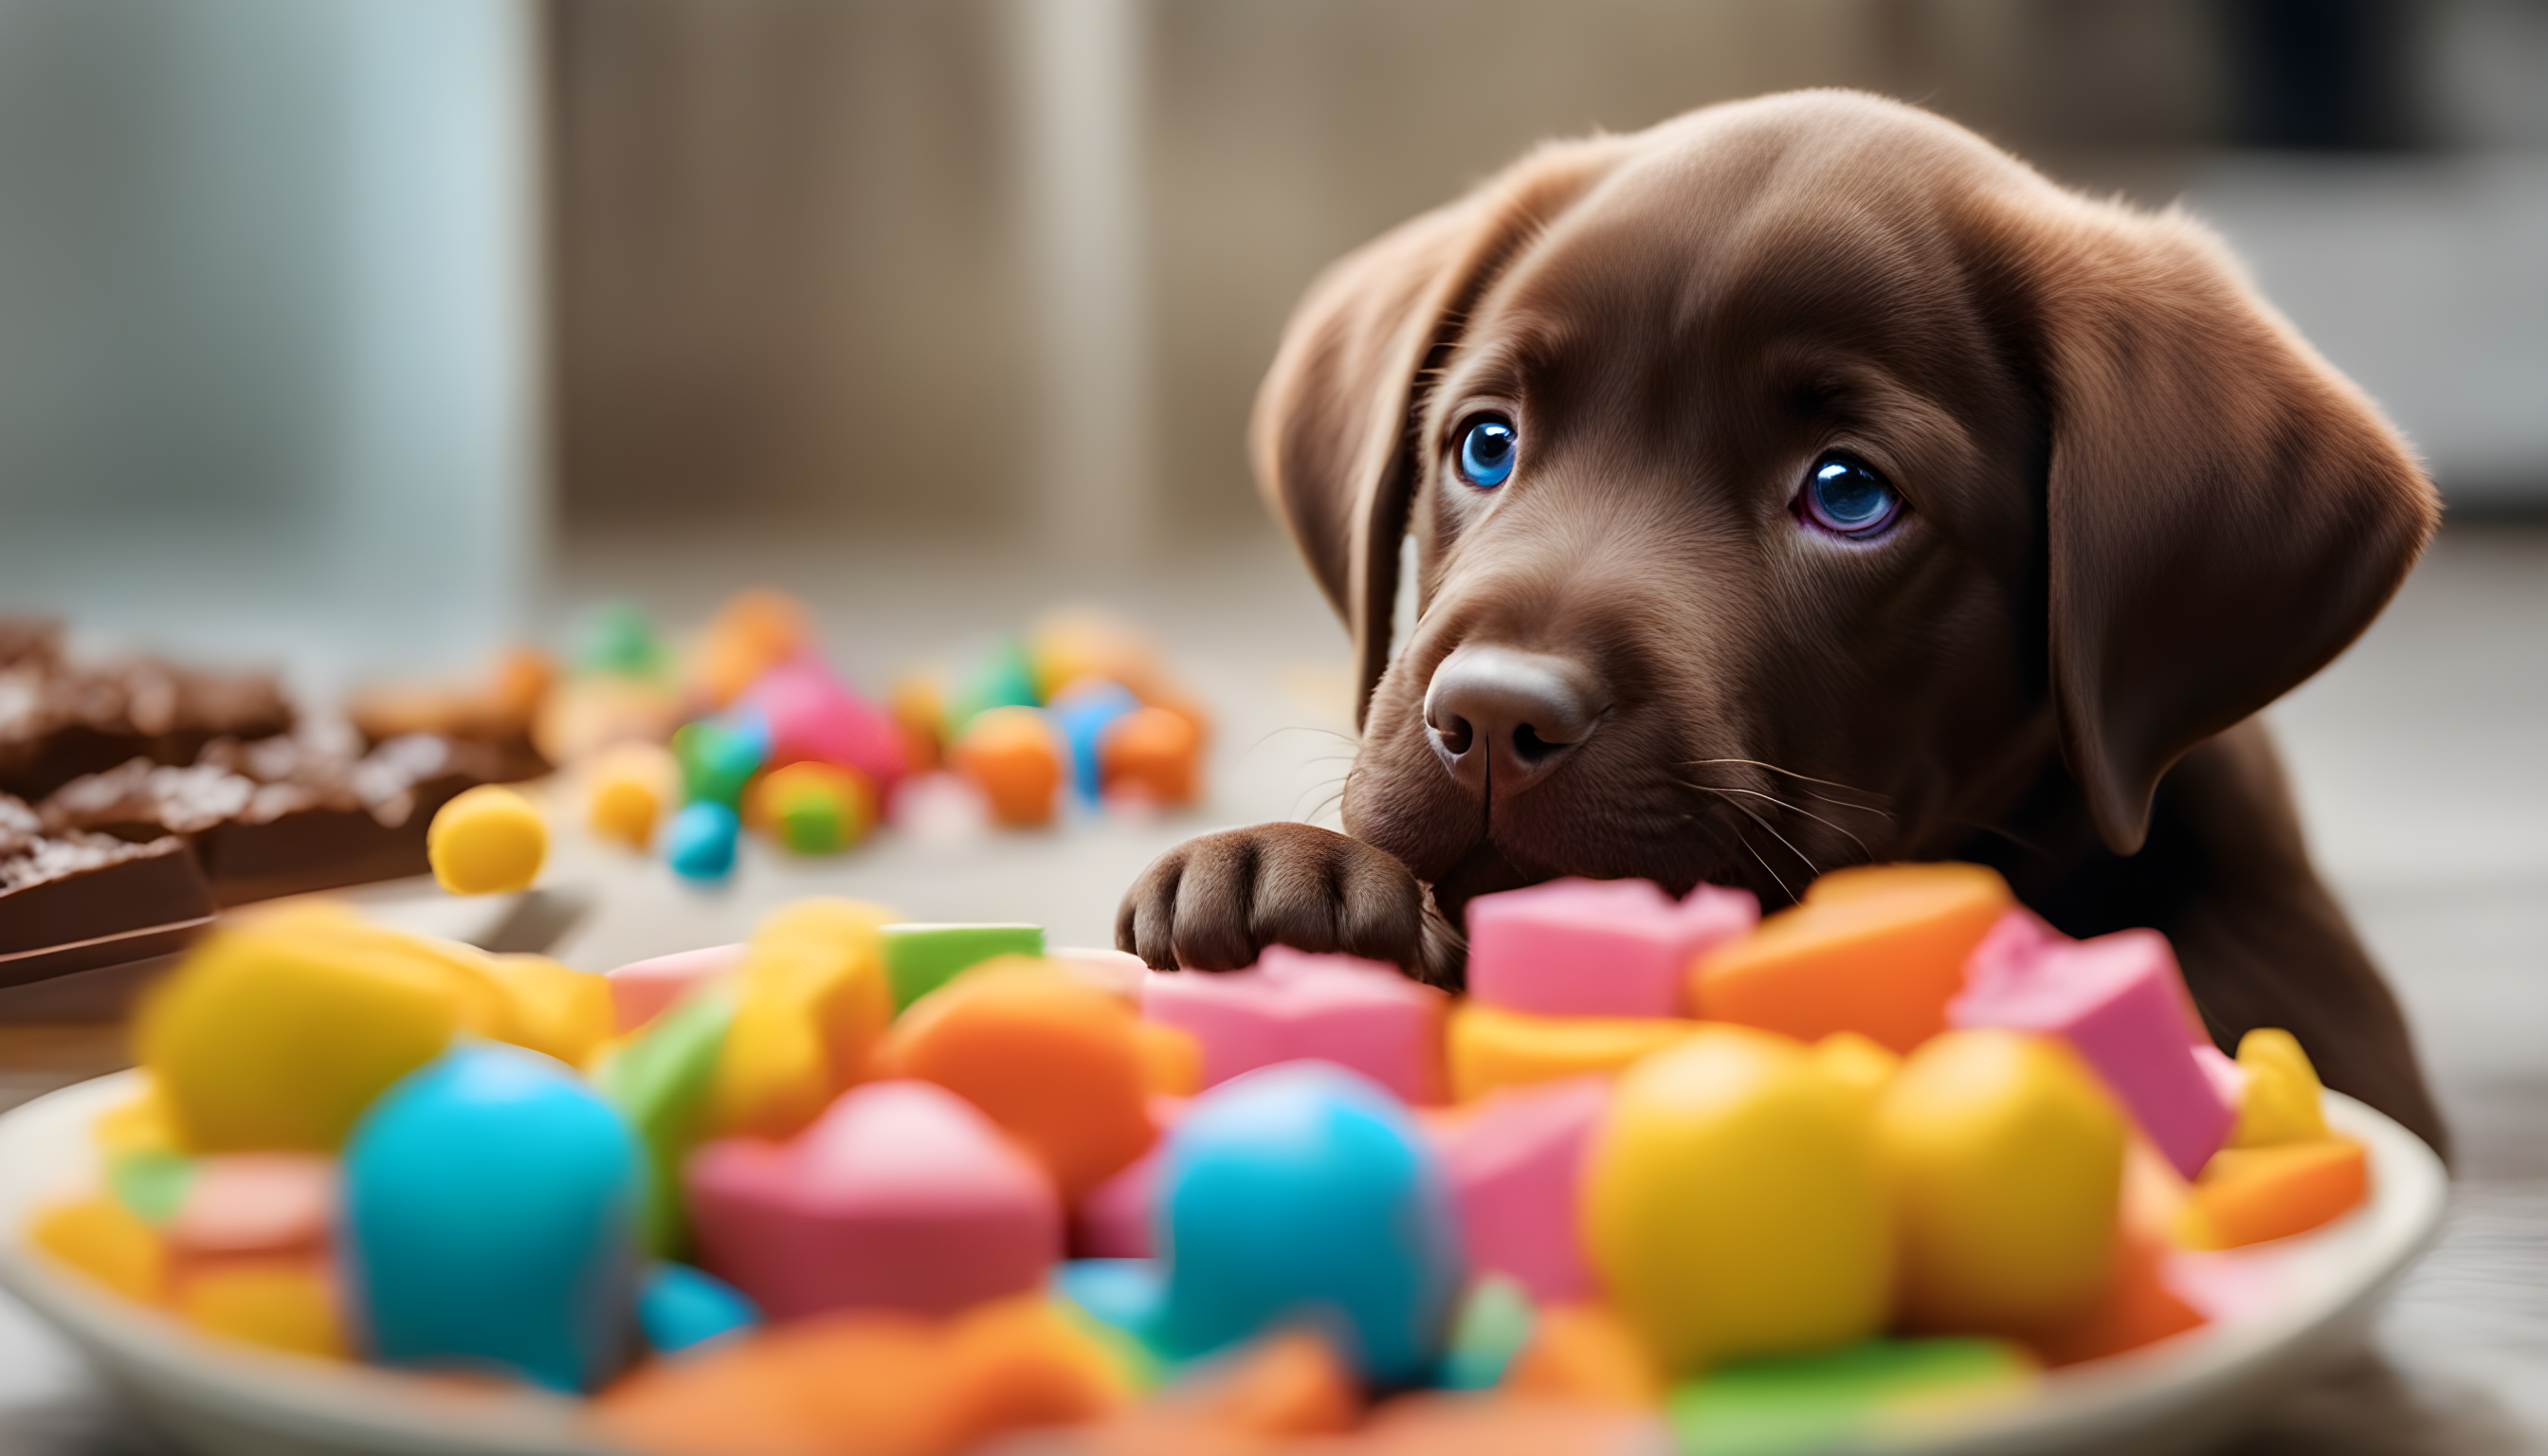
2420,760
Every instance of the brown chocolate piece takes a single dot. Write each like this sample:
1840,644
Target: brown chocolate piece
59,721
319,821
73,900
496,713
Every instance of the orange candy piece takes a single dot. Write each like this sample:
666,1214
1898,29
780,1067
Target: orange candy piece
1057,1063
1015,757
2136,1308
868,1382
107,1242
1877,950
751,633
2247,1195
1153,753
1585,1353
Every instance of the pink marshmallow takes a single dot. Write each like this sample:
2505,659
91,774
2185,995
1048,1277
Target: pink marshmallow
1597,946
900,1196
811,716
1293,1005
1515,1163
642,990
2120,1001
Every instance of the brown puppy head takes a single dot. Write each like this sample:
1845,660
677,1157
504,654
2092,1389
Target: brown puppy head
1788,482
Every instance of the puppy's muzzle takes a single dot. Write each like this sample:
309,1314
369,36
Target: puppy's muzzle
1501,719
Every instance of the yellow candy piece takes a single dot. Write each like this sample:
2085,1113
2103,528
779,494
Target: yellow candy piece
277,1034
2281,1101
139,1125
631,785
1862,1063
551,1008
487,841
107,1242
1489,1047
281,1305
2006,1156
1734,1204
811,1003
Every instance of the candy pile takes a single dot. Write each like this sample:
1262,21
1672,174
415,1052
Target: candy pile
867,1186
756,733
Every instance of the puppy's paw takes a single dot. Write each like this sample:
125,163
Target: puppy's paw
1215,900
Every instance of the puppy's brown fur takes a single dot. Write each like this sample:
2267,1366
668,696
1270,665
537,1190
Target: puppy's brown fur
2139,508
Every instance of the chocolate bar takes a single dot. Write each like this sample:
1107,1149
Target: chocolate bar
75,899
60,721
284,815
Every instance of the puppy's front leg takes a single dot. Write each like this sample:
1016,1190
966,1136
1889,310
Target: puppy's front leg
1215,900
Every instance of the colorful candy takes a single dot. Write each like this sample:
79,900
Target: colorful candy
2006,1159
901,1196
700,845
918,959
1304,1192
1056,1063
491,1211
632,786
1152,755
487,841
1490,1047
874,1135
277,1034
1877,950
1596,947
1291,1004
2119,1000
1736,1205
812,808
1017,758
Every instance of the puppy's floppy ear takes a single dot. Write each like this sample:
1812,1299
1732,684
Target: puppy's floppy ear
2225,511
1332,436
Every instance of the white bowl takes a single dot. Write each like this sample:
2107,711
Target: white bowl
2299,1302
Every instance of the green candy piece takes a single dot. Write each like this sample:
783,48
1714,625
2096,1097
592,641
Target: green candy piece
1494,1324
810,822
1770,1408
660,1083
918,959
717,759
1003,679
620,639
151,1185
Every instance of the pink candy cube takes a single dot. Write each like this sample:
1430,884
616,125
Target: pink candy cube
1597,946
812,717
642,990
2121,1003
1293,1005
1516,1161
899,1196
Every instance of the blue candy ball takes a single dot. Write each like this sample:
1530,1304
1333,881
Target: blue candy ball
699,843
1304,1194
490,1220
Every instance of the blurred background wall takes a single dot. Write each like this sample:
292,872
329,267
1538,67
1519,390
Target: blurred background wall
346,301
795,253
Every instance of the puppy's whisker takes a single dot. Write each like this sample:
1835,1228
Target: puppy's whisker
1746,811
1791,773
1775,877
1792,809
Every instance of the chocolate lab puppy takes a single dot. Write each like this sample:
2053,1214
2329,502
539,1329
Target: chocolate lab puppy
1800,483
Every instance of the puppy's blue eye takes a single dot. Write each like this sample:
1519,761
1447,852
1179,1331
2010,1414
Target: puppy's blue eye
1487,454
1845,496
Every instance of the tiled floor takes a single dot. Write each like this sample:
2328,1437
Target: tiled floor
2421,759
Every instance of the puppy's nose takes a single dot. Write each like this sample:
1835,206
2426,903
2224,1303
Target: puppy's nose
1502,718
